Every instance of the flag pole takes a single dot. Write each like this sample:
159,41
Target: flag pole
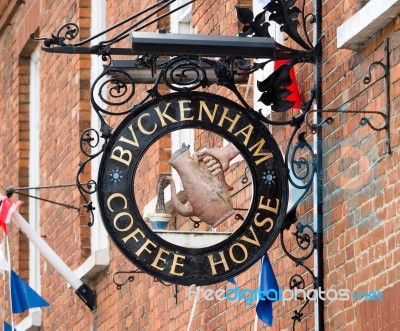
9,281
196,298
259,283
81,289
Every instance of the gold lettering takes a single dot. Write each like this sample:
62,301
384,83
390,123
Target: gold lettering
133,236
133,142
163,115
233,121
243,248
263,222
159,258
175,264
142,129
144,247
184,109
115,196
258,148
213,263
116,218
203,106
247,131
253,240
121,158
268,207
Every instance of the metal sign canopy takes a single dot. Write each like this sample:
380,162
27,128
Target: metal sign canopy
163,43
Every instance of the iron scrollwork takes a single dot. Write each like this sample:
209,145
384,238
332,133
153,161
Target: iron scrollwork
368,81
90,139
115,88
284,13
122,278
301,177
274,88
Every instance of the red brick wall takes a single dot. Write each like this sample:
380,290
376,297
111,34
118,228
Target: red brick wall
361,181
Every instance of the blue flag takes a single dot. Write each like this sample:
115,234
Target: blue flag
268,285
23,296
232,281
7,327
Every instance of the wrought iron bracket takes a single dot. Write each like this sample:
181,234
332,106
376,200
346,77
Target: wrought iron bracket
122,278
369,82
174,72
88,296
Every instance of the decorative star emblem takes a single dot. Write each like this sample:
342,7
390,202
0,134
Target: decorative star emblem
116,176
269,177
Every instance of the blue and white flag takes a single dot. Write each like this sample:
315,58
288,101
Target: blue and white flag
23,296
268,284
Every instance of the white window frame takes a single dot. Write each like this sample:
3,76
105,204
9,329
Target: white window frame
34,320
366,23
99,258
181,22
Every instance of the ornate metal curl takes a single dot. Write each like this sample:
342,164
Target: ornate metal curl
156,280
196,224
363,121
239,217
86,189
366,80
301,169
130,278
183,74
119,85
245,178
306,242
72,31
90,139
301,177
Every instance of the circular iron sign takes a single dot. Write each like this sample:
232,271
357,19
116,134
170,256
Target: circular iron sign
122,215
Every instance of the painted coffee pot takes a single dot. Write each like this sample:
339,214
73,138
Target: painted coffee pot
208,196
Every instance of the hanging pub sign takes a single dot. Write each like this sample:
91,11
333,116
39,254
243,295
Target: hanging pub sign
213,172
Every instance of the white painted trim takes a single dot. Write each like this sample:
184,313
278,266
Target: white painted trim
95,263
182,19
34,163
181,22
99,237
365,24
99,259
32,322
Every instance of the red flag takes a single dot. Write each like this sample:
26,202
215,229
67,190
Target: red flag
295,95
7,209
